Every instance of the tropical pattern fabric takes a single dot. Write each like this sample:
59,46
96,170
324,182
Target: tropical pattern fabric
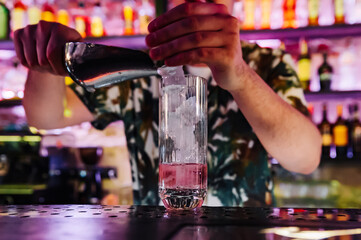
239,171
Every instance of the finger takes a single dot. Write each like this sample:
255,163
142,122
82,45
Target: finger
19,48
208,56
186,26
188,42
55,48
185,10
29,46
43,36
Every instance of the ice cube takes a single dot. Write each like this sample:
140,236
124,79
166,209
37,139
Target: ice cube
172,75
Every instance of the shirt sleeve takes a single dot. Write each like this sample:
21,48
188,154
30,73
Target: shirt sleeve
106,104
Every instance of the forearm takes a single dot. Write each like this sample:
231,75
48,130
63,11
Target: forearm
44,98
286,134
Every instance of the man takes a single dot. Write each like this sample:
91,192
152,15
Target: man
253,102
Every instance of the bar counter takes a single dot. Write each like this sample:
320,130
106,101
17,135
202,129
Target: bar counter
76,222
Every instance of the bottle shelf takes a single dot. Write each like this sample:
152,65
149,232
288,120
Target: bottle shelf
332,95
132,41
333,31
10,103
310,97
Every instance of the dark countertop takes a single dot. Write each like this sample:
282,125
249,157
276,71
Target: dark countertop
75,222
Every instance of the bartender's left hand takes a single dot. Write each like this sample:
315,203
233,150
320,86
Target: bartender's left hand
194,33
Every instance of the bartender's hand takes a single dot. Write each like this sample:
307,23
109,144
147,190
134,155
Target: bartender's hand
40,47
196,32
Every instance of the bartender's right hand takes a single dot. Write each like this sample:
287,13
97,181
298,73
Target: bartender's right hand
40,47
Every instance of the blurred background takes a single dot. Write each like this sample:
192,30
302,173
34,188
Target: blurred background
82,165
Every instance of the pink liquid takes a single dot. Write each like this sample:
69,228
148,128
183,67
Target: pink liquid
182,186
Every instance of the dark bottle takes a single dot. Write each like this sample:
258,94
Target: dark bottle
4,21
355,131
325,73
325,130
340,134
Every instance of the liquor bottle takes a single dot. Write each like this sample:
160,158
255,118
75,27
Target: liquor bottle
146,14
340,134
355,131
249,14
18,15
325,130
289,14
81,20
302,12
34,13
339,12
266,8
325,73
128,17
97,21
327,15
4,21
304,66
313,12
277,14
347,66
48,11
63,14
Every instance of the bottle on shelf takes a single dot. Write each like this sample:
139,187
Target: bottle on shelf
128,16
266,10
327,15
325,130
289,14
4,21
62,14
97,21
347,67
340,134
48,11
34,13
355,131
277,14
325,71
313,12
339,11
81,20
146,13
18,15
249,14
304,65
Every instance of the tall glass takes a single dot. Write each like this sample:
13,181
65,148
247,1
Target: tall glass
183,142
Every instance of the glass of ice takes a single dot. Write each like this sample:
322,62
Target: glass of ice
183,142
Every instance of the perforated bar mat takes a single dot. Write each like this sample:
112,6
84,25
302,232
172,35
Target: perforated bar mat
147,222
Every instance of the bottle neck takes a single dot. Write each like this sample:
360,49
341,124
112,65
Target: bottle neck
324,55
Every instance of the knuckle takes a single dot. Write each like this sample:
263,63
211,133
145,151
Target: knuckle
233,22
222,8
198,37
18,33
202,53
23,62
187,9
43,62
49,52
193,23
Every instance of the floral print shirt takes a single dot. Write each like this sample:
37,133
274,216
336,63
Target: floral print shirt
239,171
